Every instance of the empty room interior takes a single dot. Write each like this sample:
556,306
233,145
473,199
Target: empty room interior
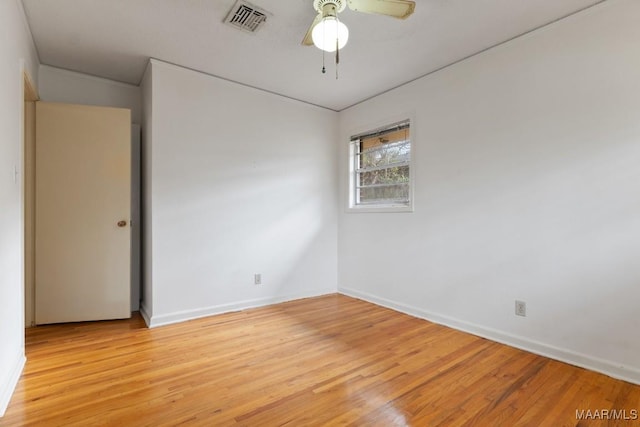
319,212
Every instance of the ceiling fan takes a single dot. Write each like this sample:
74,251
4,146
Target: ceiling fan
329,34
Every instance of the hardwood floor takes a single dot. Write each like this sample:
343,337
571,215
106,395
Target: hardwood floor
330,360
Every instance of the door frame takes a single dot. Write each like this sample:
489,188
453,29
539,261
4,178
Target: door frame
30,96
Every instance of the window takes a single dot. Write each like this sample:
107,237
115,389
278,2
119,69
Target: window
381,169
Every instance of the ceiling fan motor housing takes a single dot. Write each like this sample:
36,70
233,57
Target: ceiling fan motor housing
329,7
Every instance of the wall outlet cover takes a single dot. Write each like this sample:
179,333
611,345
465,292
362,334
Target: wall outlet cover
521,308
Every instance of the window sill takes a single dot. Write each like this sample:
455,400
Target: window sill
379,209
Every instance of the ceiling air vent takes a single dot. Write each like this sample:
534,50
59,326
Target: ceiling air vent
246,17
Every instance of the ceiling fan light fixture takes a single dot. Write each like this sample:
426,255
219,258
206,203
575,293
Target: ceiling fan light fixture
327,31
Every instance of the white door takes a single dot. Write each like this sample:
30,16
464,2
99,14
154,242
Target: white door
83,208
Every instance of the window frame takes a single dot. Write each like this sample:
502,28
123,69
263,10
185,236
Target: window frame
381,126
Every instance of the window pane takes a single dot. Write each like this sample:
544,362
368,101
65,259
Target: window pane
385,138
391,175
386,154
399,193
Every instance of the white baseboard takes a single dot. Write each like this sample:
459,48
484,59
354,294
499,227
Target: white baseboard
563,355
182,316
7,389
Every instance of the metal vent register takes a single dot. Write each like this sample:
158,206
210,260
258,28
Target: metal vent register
246,17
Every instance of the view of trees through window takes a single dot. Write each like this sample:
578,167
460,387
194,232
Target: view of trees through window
382,162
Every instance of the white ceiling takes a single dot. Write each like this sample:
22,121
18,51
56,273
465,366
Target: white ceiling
115,38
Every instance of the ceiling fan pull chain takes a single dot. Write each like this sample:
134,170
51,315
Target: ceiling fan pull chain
337,58
337,50
324,70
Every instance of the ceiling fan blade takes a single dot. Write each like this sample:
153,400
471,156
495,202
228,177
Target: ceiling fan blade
307,40
401,9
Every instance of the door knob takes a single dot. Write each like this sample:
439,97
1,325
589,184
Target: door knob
122,223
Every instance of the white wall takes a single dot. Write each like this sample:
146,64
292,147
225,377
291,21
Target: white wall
58,85
528,187
16,52
242,182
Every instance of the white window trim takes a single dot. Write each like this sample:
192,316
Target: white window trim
381,208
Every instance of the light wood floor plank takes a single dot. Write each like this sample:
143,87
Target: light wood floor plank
331,360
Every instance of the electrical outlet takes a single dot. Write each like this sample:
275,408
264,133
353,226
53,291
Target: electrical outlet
257,279
521,308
